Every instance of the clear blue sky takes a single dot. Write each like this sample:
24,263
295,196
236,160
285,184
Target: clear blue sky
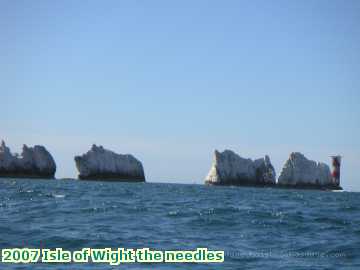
170,81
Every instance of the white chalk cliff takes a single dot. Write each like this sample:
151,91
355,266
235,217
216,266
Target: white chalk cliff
34,162
102,164
228,168
300,171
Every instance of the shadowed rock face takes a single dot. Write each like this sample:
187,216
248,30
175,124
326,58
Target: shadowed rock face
34,162
299,171
102,164
228,168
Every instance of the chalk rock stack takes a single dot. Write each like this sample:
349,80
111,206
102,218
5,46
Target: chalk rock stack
228,168
299,171
34,162
102,164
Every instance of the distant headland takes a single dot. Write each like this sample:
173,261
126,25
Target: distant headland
100,163
228,168
34,162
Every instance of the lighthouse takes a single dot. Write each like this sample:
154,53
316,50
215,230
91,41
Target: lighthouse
336,162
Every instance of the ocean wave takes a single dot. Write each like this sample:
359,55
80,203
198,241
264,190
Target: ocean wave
76,214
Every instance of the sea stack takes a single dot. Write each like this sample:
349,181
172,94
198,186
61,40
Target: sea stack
102,164
228,168
301,172
34,162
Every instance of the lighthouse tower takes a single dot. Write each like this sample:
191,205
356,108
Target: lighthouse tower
336,162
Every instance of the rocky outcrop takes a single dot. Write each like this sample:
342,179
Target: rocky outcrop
102,164
34,162
299,171
228,168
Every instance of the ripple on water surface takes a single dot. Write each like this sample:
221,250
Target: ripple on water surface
257,228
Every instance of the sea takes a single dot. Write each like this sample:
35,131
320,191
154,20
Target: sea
257,228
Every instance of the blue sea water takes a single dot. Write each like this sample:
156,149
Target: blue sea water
258,228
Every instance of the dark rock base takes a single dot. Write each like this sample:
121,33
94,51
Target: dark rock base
240,183
252,184
113,178
310,186
26,175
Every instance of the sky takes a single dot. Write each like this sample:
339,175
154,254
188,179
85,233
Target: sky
171,81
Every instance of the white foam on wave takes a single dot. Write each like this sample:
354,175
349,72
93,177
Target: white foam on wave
58,195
